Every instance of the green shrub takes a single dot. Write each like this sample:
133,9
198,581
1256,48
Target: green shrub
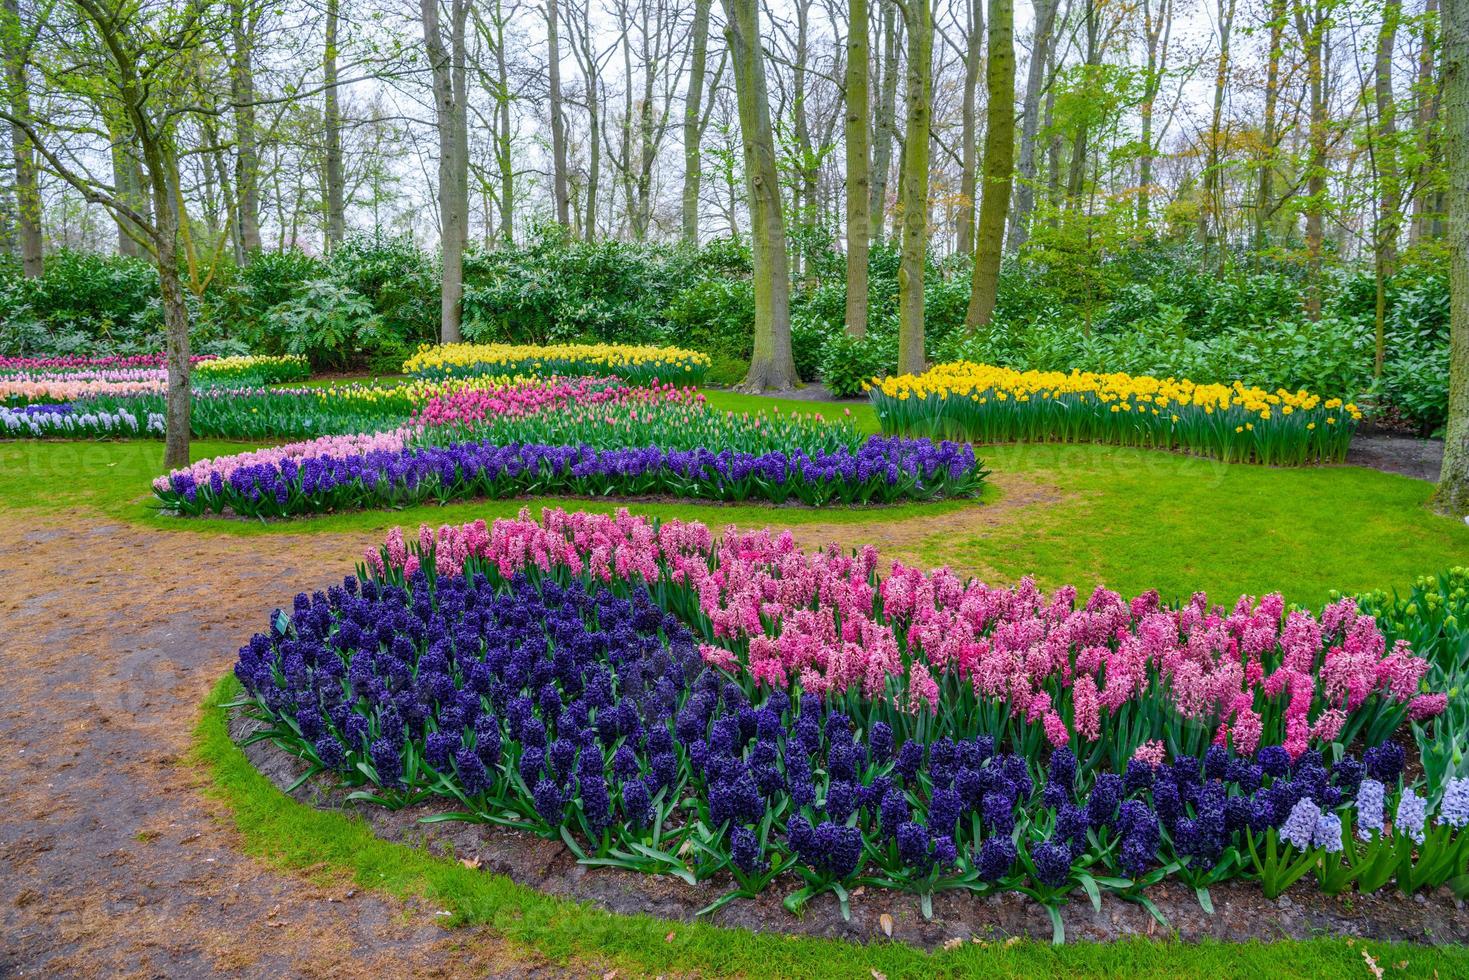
848,363
328,324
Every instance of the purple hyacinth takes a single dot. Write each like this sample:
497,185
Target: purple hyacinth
1385,762
996,858
473,775
387,760
745,852
1052,863
1328,833
913,847
549,804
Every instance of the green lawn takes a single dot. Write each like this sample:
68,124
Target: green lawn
1128,518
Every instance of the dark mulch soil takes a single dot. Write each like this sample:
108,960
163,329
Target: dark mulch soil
1241,911
1397,453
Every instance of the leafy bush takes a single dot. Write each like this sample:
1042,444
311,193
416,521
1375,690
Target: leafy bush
327,323
848,362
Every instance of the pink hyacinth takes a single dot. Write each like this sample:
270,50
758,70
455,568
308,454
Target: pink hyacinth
837,623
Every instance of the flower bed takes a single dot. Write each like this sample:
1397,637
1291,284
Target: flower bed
584,436
61,421
635,365
253,370
597,680
987,404
882,471
9,364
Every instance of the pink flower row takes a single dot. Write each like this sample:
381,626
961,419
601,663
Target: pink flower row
114,361
466,406
350,445
829,620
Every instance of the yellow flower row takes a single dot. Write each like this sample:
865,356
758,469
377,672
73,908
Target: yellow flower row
239,362
446,357
964,379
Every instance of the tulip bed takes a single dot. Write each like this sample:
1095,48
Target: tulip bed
1236,423
635,365
593,437
664,701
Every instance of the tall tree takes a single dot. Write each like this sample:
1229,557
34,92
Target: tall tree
558,119
446,57
969,126
1269,134
1212,229
244,19
336,206
1312,23
773,366
999,163
883,123
858,176
694,115
1384,161
1427,221
1035,81
16,39
913,191
1157,28
142,60
1453,481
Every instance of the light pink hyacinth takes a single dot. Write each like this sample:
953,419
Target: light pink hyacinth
223,466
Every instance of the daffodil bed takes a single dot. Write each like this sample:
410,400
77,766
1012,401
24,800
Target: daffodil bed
631,363
987,404
665,701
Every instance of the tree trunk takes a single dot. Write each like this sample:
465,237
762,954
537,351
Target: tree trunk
1211,215
27,188
1385,163
125,180
887,101
336,207
913,190
692,111
247,154
503,137
1076,172
859,218
558,119
1265,191
968,129
999,163
1035,81
1424,217
1156,26
1312,29
773,366
1453,481
447,63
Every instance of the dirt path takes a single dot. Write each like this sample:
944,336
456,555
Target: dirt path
114,863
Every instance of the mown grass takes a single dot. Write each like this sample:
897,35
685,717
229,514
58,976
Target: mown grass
290,835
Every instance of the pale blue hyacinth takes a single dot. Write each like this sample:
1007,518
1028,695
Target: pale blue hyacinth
1412,815
1299,828
1454,810
1370,800
1328,833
